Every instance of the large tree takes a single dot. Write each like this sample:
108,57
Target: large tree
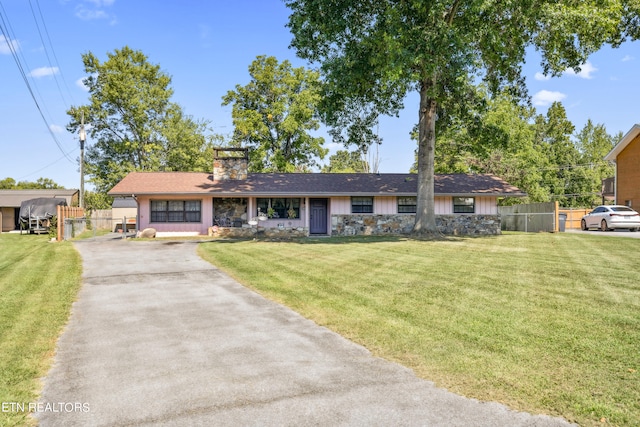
594,143
41,183
134,126
553,133
373,52
275,114
344,161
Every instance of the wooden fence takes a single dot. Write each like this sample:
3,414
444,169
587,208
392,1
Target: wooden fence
101,219
574,216
67,212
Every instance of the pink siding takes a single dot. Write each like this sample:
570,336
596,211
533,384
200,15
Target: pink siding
444,205
484,206
487,205
340,205
201,227
385,205
389,205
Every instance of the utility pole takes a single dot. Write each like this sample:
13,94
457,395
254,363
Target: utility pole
83,136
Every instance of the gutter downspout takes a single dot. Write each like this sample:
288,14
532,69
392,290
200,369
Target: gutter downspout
133,196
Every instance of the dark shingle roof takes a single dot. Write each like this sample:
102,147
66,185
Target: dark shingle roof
308,184
124,202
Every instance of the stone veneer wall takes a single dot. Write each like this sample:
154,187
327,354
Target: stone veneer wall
271,233
227,168
373,225
230,207
376,225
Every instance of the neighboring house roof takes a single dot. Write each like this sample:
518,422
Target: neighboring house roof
14,198
626,140
309,184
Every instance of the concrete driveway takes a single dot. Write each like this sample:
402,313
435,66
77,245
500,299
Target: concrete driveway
160,337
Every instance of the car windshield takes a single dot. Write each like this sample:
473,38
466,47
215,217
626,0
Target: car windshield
622,209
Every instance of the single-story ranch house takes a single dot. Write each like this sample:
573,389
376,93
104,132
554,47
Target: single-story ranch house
233,202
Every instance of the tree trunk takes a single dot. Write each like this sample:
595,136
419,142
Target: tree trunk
425,209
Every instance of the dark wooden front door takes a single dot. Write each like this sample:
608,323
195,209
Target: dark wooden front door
318,218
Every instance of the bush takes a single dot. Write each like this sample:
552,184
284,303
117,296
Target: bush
53,227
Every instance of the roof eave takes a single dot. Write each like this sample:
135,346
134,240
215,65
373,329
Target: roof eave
629,136
308,194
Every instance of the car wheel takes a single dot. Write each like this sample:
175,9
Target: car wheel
634,229
603,225
583,225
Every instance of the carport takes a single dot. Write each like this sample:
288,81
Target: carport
10,201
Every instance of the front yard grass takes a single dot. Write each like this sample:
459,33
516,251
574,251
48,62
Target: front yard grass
545,323
38,282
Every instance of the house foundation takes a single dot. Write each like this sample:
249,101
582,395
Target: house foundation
379,225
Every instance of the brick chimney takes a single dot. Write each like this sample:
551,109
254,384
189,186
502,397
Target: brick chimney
230,163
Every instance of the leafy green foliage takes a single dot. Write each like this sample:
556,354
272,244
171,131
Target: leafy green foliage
275,113
40,184
594,143
134,126
538,153
95,201
372,53
346,162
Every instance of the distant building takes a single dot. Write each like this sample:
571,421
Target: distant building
626,155
10,201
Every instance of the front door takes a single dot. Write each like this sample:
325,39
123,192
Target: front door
318,218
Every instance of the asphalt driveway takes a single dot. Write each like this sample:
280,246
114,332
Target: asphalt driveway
160,337
611,233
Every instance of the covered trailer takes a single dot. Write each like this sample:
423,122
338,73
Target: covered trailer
36,214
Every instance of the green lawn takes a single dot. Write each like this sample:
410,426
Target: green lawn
546,323
38,282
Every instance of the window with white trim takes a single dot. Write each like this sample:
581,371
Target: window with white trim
407,204
280,207
362,205
176,210
464,204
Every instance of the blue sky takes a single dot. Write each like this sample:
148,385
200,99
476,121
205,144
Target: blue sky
207,46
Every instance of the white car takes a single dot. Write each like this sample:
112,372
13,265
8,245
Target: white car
611,217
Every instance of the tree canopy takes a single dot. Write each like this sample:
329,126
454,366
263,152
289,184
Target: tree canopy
133,125
40,184
344,161
372,53
275,113
541,154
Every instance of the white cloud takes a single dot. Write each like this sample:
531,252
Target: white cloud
541,77
585,71
627,58
56,129
6,46
546,97
95,9
43,72
101,3
81,85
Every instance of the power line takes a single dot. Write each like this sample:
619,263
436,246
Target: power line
45,167
46,51
6,31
